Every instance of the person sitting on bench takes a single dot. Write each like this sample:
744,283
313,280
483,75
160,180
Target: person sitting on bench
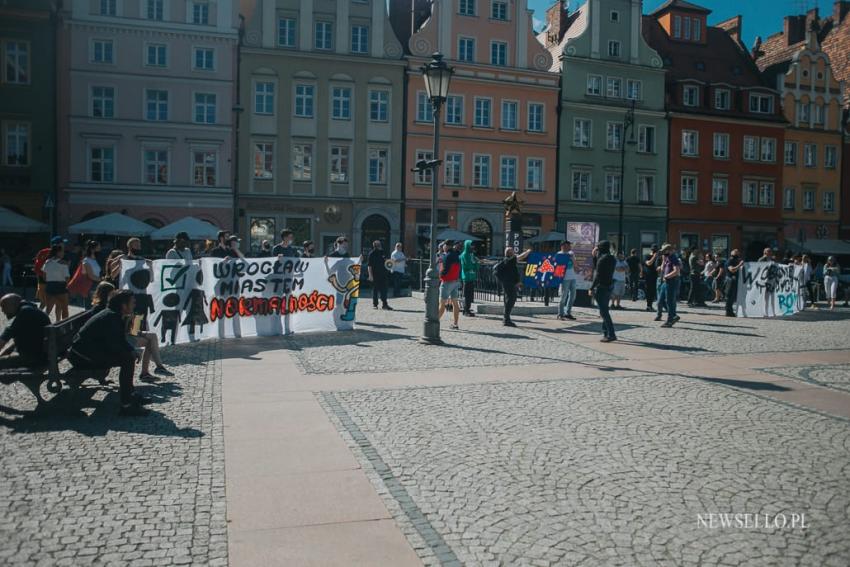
27,331
101,343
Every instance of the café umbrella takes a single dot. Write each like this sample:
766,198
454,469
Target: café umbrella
112,224
197,229
12,222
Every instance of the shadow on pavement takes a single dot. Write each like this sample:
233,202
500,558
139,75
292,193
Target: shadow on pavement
746,384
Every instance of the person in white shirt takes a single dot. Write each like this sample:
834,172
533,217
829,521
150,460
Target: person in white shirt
620,269
56,276
180,250
399,261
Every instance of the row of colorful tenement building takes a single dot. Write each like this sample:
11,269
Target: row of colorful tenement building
145,106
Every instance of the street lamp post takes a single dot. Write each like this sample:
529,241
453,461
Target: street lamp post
628,124
437,75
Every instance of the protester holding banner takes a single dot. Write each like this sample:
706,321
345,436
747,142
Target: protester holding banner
733,266
831,271
285,247
180,250
340,248
568,286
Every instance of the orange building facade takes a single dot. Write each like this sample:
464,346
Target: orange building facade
498,127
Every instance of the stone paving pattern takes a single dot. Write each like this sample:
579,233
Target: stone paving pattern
835,376
604,471
82,486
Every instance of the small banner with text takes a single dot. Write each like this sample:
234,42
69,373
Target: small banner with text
768,289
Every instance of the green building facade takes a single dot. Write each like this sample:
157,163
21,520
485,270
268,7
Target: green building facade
608,68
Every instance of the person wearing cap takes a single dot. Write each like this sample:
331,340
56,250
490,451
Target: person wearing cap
603,283
180,250
671,269
38,265
566,257
233,245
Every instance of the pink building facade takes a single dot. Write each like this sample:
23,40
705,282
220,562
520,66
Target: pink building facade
146,111
498,127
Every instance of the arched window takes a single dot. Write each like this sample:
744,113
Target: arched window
480,228
374,227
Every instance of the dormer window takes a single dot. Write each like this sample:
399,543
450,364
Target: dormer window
690,96
677,26
761,104
721,99
687,23
697,23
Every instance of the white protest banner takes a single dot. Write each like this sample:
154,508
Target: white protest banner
216,298
768,289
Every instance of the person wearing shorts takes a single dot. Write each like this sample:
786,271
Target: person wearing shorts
450,282
56,275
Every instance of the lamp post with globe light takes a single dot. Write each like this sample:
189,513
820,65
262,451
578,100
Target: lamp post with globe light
437,75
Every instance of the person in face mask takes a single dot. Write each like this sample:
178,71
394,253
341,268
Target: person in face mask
285,247
309,249
340,248
733,266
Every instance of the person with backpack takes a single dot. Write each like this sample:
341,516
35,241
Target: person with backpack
450,282
507,273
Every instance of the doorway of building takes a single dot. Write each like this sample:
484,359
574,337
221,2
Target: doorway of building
480,228
374,227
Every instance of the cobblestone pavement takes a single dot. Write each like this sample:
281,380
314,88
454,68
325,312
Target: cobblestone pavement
605,471
82,486
836,376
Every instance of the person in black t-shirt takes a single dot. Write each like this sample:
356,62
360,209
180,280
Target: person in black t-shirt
633,261
378,275
603,282
650,277
285,248
26,329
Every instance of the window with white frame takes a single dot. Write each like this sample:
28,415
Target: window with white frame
749,196
594,85
581,186
424,176
454,109
687,28
535,117
101,52
829,201
818,113
690,95
102,164
645,189
498,53
581,132
108,7
613,48
722,99
613,135
155,10
697,29
690,143
204,168
424,108
286,29
634,89
17,144
810,155
790,153
341,103
751,148
302,162
360,39
156,166
264,97
156,105
766,194
466,8
613,186
156,55
809,200
205,108
614,87
688,189
507,173
453,168
646,139
719,190
761,103
483,107
103,102
534,174
466,49
499,9
789,199
200,12
804,112
323,38
204,58
379,105
509,115
768,149
830,156
721,145
481,170
339,164
263,160
304,95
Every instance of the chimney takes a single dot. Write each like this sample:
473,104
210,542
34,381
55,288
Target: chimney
732,26
556,22
795,29
840,9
